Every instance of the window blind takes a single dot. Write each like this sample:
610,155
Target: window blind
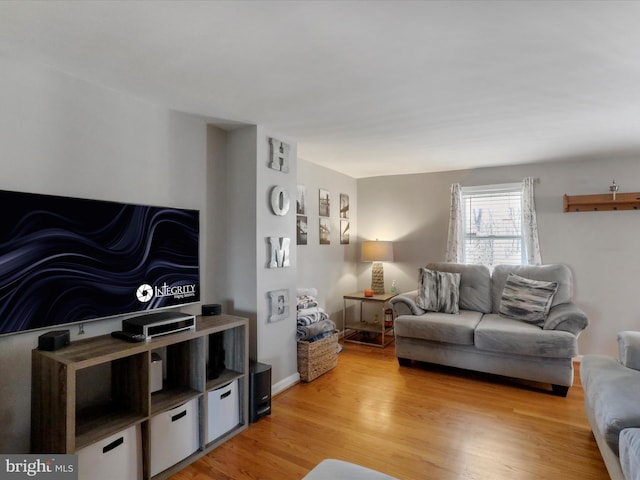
493,224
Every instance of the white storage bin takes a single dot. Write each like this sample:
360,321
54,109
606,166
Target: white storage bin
173,436
118,457
223,410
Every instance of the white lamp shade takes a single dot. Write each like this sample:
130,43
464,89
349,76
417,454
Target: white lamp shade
377,251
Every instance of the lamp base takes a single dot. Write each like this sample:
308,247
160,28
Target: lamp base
377,278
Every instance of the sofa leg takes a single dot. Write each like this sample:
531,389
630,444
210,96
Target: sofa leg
560,390
404,362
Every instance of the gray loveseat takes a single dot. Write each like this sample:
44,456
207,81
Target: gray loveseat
479,338
612,402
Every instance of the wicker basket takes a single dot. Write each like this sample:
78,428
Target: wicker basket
316,358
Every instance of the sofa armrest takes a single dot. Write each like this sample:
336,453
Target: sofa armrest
629,349
405,304
566,317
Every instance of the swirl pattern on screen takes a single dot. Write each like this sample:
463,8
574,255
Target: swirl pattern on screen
65,260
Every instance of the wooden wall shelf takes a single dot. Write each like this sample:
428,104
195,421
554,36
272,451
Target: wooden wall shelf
602,202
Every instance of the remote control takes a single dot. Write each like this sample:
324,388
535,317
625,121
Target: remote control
129,337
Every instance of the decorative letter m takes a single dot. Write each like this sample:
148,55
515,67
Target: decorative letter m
279,252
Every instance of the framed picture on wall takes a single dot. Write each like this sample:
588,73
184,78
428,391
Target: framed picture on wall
344,205
301,230
344,232
325,231
301,200
324,203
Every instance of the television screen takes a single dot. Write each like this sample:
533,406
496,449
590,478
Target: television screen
65,260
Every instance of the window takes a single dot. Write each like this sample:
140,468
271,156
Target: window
493,225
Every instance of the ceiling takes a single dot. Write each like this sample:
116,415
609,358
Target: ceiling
366,87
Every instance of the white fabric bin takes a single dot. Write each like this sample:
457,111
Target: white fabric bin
118,457
173,436
223,410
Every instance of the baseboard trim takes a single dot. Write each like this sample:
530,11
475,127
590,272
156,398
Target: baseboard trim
284,384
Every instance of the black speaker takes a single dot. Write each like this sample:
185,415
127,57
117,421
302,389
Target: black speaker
55,340
211,309
259,390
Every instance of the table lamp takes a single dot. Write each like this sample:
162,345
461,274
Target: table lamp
377,251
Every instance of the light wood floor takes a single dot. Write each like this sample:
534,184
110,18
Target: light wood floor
422,422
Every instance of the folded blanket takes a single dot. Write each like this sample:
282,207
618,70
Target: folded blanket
305,332
307,291
320,337
306,301
309,311
311,318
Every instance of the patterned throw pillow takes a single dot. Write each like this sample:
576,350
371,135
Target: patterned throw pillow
427,290
448,292
527,300
438,291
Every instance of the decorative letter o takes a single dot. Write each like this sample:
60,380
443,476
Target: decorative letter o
280,200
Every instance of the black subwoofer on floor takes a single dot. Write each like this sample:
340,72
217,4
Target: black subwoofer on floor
259,390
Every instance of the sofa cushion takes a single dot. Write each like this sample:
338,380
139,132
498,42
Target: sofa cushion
527,300
439,327
475,284
629,349
612,391
549,273
630,453
499,334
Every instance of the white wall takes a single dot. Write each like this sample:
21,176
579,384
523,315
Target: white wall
63,136
250,222
329,268
276,343
601,248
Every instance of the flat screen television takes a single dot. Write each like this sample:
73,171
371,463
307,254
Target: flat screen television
67,260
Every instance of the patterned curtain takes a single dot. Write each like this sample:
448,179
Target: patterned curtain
530,224
455,241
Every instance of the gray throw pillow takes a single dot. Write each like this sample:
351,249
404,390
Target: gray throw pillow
527,300
438,291
448,292
427,298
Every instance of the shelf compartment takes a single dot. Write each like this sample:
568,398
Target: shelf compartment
224,356
225,377
168,399
93,426
101,411
182,377
601,202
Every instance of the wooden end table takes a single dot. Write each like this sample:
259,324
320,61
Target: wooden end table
361,331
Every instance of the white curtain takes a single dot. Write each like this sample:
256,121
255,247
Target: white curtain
455,241
530,224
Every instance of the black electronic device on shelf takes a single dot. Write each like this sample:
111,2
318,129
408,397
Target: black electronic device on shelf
161,323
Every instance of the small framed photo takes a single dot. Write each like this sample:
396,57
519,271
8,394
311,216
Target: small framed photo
301,200
325,231
344,232
301,230
344,205
324,203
